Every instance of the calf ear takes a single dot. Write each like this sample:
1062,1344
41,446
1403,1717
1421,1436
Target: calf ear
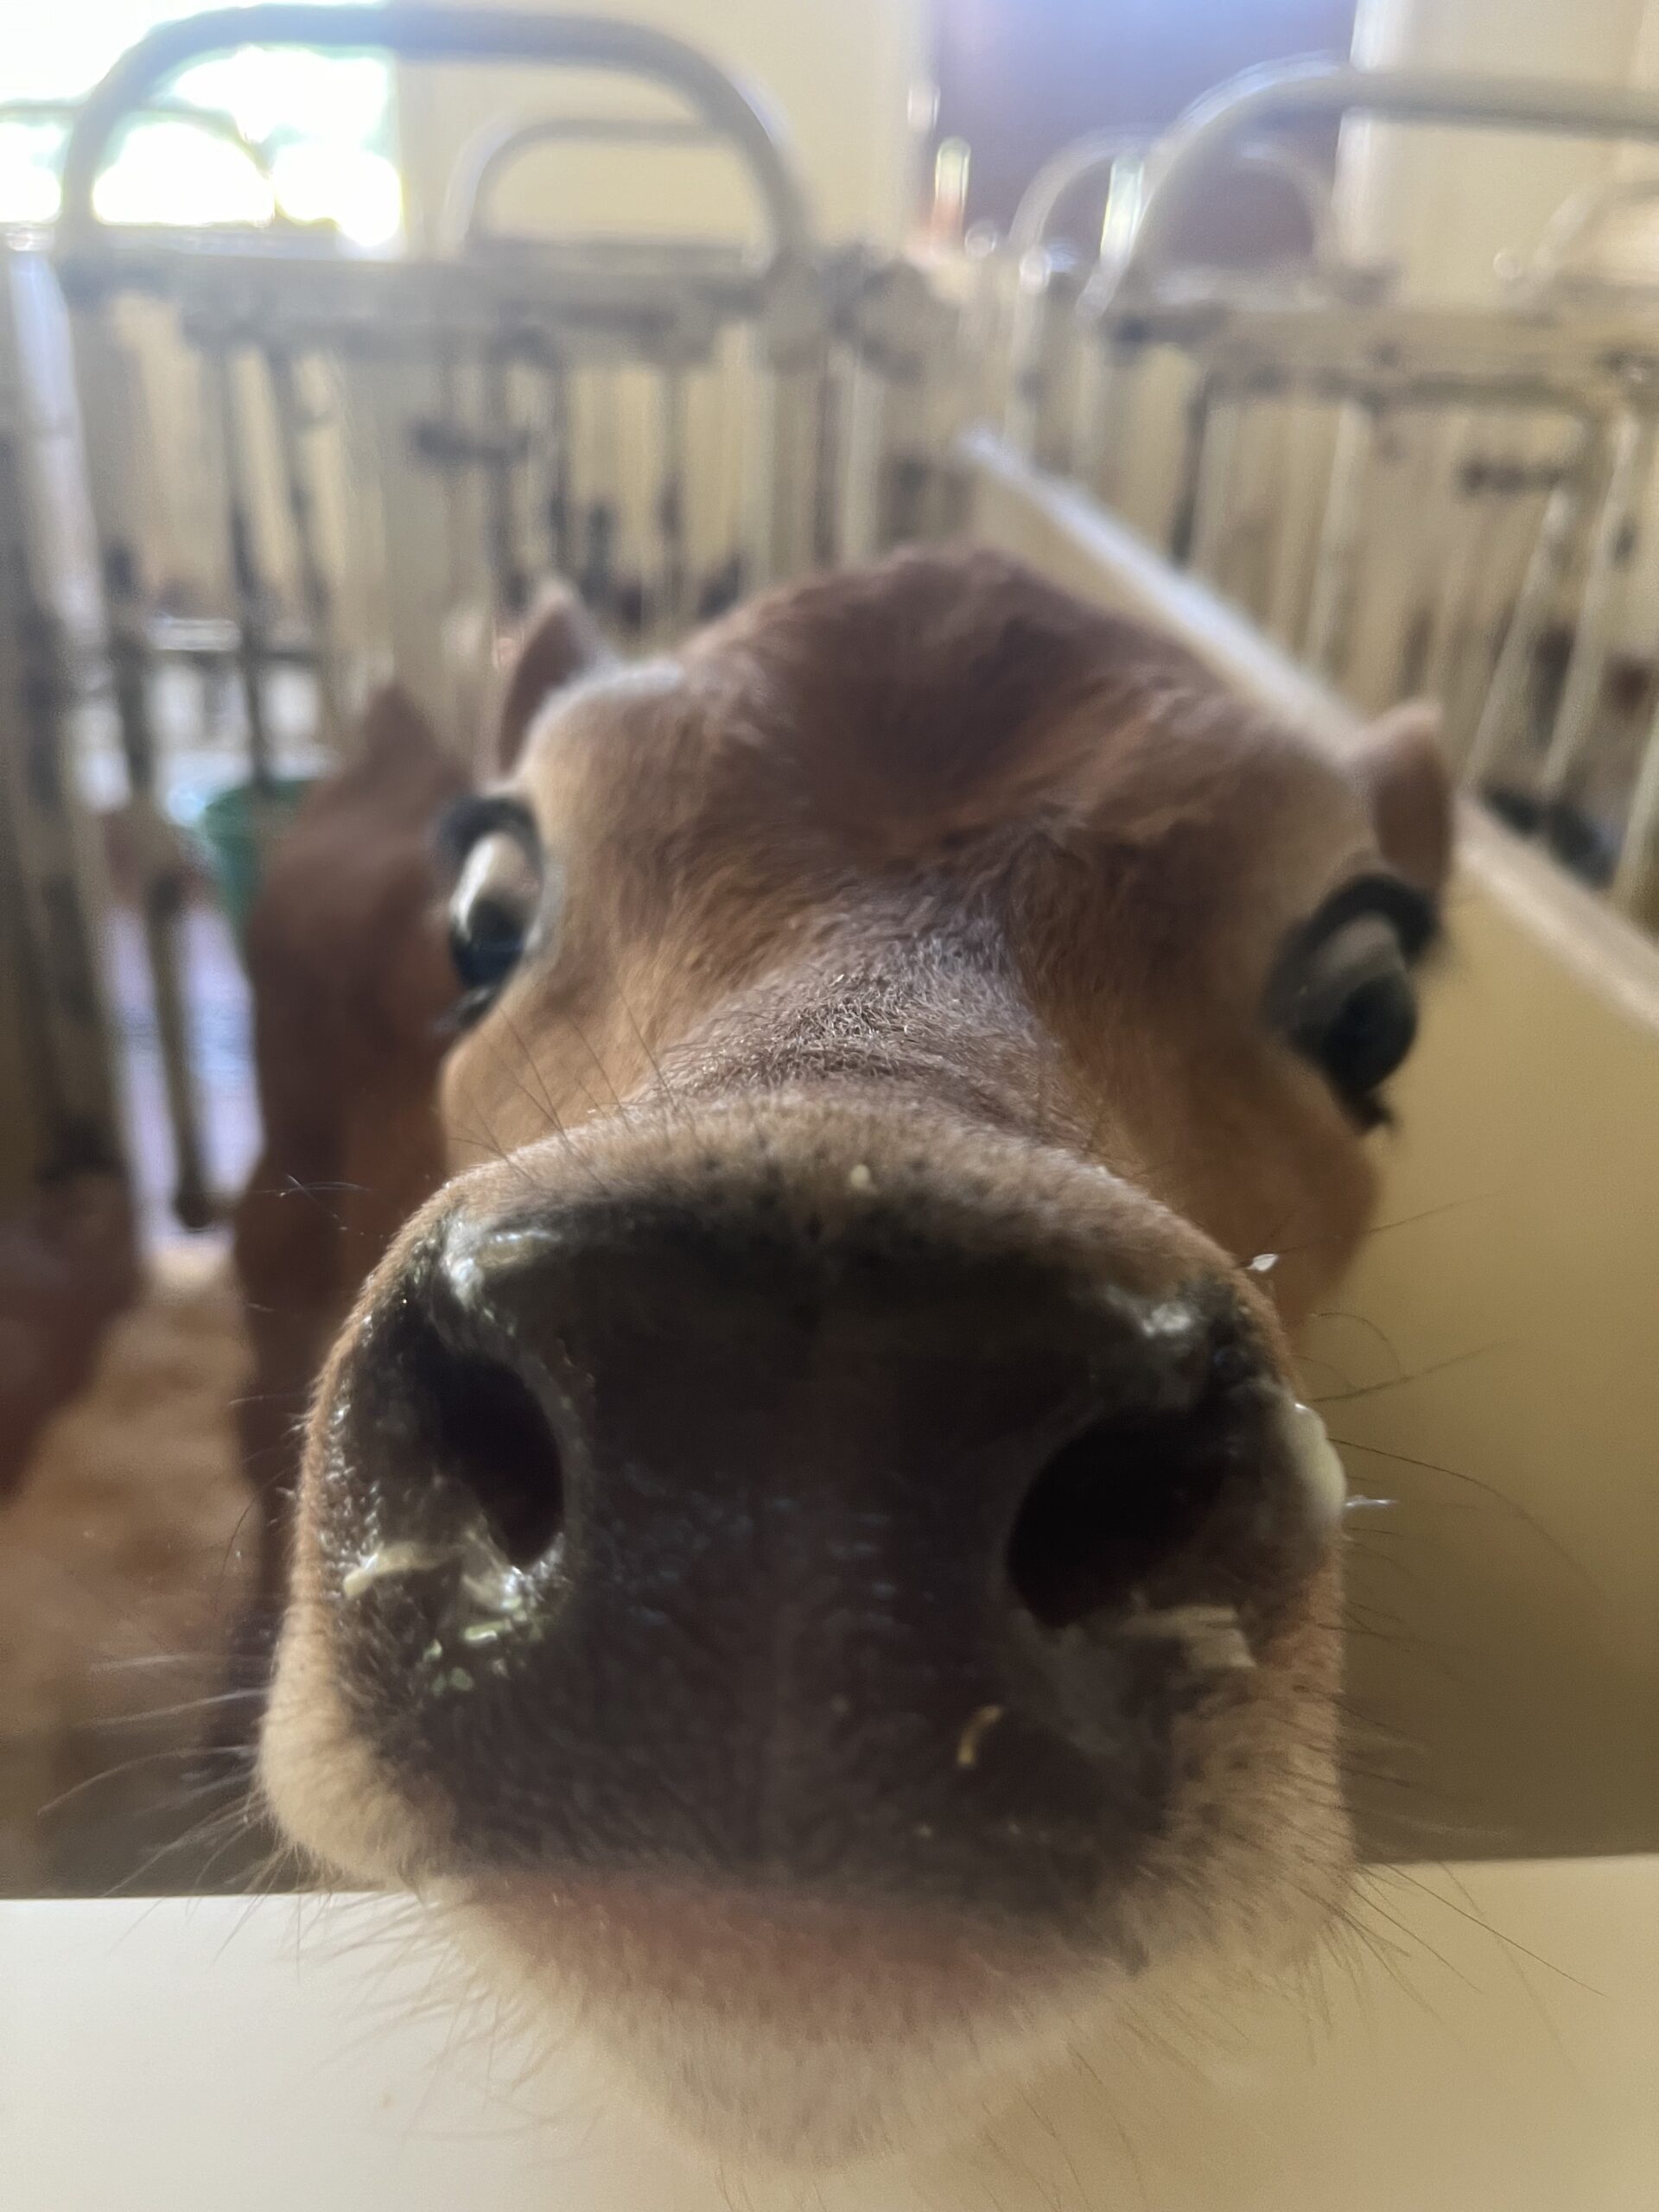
399,763
558,643
1403,771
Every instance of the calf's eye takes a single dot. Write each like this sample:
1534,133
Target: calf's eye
1355,1013
1343,996
496,908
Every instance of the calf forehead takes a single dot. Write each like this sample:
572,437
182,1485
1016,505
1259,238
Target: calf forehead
932,710
917,683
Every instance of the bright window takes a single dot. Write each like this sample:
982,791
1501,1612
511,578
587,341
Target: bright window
322,124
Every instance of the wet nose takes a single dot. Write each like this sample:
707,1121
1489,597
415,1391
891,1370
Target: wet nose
720,1537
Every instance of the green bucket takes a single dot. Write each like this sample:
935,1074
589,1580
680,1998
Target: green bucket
239,827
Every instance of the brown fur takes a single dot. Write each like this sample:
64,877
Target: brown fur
934,882
560,642
66,1269
501,672
351,987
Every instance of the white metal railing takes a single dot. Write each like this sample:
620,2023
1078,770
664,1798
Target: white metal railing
1526,430
386,438
387,442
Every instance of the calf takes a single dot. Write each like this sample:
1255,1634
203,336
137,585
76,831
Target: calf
353,993
807,1543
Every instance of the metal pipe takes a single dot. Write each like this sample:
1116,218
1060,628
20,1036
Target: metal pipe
1042,344
463,527
789,486
1463,640
596,576
1523,509
251,650
1108,380
1211,540
487,156
1336,558
863,405
501,456
675,573
1545,572
102,372
1557,253
1107,386
1126,198
1274,98
1200,410
1635,875
299,494
1466,544
1287,562
45,849
439,33
1627,484
211,120
561,519
1100,154
1082,161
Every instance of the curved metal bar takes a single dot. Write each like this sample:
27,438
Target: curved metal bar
211,120
1558,254
440,33
1264,100
1100,154
487,156
1083,160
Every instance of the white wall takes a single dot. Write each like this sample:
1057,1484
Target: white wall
1446,203
839,73
1444,206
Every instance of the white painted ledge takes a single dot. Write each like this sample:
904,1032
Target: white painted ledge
1497,2052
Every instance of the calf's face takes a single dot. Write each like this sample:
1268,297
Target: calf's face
808,1544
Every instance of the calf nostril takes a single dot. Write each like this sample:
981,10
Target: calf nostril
1110,1508
491,1435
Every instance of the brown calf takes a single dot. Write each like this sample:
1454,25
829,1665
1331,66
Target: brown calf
353,996
352,984
807,1544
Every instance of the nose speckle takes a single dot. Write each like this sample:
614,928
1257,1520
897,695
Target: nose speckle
1182,1352
1211,1636
850,1536
1174,1325
393,1560
980,1725
488,1587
